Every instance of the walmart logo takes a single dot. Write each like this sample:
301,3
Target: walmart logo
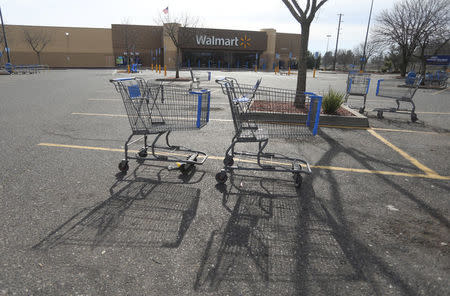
245,41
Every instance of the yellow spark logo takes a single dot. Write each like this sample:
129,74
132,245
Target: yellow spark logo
245,41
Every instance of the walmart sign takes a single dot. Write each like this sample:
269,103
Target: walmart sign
214,41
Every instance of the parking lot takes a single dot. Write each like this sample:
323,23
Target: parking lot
372,219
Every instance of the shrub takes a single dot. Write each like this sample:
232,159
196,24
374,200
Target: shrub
332,101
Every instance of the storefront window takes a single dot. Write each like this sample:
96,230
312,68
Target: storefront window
218,59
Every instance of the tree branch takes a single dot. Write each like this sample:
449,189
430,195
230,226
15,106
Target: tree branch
292,10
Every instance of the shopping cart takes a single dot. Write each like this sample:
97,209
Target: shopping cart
437,79
198,77
260,113
358,85
391,88
158,109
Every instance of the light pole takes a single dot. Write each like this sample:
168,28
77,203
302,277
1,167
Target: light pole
363,59
328,41
4,37
67,47
337,41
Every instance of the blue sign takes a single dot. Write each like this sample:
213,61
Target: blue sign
1,54
439,60
277,55
316,55
290,55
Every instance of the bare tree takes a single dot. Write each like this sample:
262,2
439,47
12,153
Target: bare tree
327,59
130,37
305,18
371,50
344,57
377,61
436,32
38,40
173,27
405,26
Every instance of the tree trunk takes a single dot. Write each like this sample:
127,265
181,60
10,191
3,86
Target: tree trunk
39,57
423,61
302,67
403,64
177,64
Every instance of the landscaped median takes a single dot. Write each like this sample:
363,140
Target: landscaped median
333,113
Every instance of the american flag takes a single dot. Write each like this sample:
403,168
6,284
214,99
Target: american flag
166,10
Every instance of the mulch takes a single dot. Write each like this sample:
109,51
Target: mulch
288,107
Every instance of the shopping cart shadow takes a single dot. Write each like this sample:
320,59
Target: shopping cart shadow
141,212
256,245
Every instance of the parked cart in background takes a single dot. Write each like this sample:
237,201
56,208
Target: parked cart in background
260,113
439,78
198,77
358,85
25,69
394,89
158,109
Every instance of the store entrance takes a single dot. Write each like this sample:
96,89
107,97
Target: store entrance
219,59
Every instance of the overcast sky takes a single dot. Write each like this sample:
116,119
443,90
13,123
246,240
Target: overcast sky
228,14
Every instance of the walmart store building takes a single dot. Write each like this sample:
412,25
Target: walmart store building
147,45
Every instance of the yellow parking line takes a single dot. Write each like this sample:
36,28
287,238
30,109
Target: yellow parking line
220,158
380,129
408,157
405,131
80,147
439,92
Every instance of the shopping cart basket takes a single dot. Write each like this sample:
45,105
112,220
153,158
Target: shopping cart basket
260,113
358,85
158,109
391,88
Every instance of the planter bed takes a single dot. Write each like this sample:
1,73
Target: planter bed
265,111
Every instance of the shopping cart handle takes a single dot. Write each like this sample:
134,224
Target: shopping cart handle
122,79
241,100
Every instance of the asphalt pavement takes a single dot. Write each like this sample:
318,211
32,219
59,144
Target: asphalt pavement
371,219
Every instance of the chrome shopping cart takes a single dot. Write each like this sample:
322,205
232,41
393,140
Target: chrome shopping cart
394,89
158,109
198,77
358,85
260,113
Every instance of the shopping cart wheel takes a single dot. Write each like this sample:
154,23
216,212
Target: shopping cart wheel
298,179
221,177
361,110
414,117
123,166
142,153
380,114
228,160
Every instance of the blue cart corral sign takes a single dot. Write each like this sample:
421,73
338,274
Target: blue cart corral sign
439,60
